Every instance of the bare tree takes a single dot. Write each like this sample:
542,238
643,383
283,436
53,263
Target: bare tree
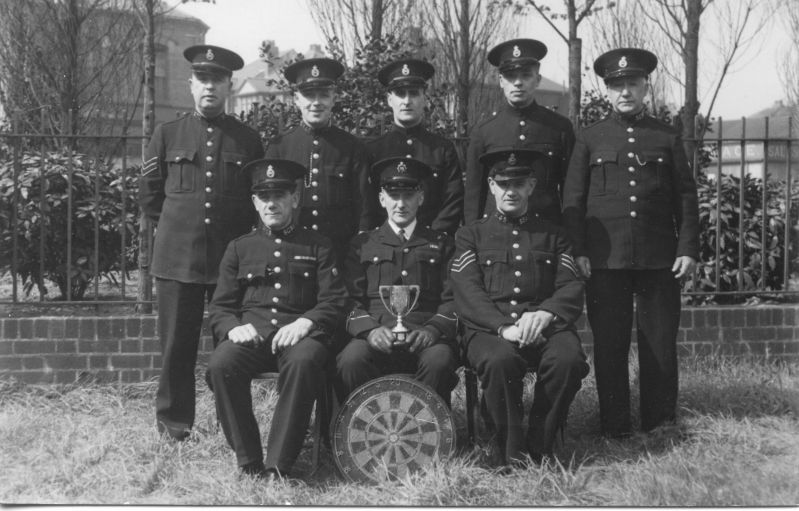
790,75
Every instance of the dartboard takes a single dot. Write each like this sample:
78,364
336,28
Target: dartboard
389,427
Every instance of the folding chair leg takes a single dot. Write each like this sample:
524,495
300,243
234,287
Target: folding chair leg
470,386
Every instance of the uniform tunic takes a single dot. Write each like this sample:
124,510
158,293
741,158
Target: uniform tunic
192,186
270,279
379,258
443,192
337,181
630,206
533,127
503,268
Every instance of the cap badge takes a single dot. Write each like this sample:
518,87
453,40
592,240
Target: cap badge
517,52
405,70
623,62
270,172
512,159
315,72
402,168
209,55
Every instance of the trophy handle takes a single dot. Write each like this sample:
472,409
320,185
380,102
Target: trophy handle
385,293
415,291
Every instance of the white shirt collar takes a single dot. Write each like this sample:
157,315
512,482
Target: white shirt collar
408,229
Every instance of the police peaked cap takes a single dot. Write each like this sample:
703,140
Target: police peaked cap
516,53
400,173
274,174
405,73
511,163
625,62
314,73
213,59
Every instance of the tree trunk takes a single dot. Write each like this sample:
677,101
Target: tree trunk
691,60
464,71
377,20
575,77
145,291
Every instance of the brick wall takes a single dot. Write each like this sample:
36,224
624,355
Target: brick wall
126,349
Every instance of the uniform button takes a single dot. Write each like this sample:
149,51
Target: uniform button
522,137
409,142
630,155
633,214
514,315
660,160
630,129
177,158
548,261
276,269
599,160
435,174
631,169
315,213
550,153
315,142
315,227
631,140
314,197
278,241
315,156
238,162
432,261
409,156
314,183
488,262
209,174
514,302
277,253
207,221
306,274
340,174
515,232
209,129
207,205
633,198
209,158
275,299
273,321
274,311
517,273
207,189
515,245
375,259
278,285
314,171
518,258
406,250
404,273
522,123
209,143
249,275
517,290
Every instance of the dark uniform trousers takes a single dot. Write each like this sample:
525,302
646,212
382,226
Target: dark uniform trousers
630,206
192,186
379,257
533,127
269,280
442,209
503,268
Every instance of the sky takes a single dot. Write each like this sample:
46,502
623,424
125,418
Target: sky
752,85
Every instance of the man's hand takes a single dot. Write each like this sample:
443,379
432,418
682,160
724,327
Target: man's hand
532,324
421,338
584,265
683,265
291,334
381,339
512,333
244,333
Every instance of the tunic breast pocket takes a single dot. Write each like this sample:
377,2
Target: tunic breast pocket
494,264
232,179
429,269
303,285
378,263
253,278
544,273
547,169
337,193
181,171
604,173
658,170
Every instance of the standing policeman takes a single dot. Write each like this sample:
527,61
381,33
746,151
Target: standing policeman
630,206
278,300
400,252
520,122
335,185
193,187
405,82
518,294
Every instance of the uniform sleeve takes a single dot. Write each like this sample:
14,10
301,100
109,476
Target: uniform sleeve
446,319
474,192
363,211
224,311
686,206
331,298
575,192
472,301
567,301
153,176
449,216
359,321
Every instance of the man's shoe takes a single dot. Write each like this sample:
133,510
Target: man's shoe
254,469
172,433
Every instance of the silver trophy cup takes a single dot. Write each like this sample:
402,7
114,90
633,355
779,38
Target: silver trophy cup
399,301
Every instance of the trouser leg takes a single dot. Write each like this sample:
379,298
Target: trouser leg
561,366
301,382
436,368
658,320
230,371
610,313
180,316
356,364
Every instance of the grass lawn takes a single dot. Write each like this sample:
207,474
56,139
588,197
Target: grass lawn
737,444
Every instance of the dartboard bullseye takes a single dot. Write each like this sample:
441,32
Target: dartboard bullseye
389,427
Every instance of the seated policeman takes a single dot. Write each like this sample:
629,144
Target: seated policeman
518,294
400,252
278,298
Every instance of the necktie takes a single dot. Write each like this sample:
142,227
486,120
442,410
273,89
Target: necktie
402,235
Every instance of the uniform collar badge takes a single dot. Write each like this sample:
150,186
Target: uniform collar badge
512,159
623,62
270,172
402,168
517,52
405,70
315,71
209,55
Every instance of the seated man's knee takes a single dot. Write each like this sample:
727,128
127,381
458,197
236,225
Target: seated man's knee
439,358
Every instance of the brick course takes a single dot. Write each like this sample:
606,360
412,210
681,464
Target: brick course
126,349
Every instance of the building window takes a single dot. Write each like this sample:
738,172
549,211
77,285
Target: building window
161,78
